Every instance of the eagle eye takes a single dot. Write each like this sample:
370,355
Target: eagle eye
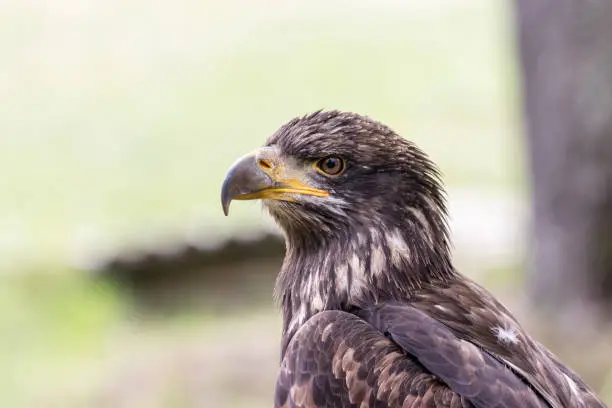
330,165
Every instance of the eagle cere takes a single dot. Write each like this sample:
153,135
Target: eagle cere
374,312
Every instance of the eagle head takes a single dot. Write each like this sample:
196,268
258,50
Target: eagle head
362,208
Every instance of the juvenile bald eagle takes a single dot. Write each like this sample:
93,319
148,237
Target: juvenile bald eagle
374,313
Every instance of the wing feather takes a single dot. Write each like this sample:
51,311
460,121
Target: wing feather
338,360
471,313
393,355
465,368
403,355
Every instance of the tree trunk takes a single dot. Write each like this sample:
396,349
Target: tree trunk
565,49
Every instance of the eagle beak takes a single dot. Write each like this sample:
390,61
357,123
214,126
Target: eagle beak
263,175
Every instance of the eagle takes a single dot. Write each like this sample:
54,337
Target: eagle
374,312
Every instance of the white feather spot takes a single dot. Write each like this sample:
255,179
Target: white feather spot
342,283
441,308
572,385
357,269
317,303
355,264
420,216
332,203
377,263
506,335
398,247
327,331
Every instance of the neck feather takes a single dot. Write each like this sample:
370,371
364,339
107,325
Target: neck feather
359,266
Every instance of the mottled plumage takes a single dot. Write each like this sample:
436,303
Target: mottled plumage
374,313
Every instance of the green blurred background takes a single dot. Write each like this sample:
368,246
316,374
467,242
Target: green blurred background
119,120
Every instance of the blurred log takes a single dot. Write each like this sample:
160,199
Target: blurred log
565,49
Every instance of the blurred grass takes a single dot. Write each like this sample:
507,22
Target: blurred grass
52,335
118,122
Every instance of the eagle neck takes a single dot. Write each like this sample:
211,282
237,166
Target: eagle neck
353,268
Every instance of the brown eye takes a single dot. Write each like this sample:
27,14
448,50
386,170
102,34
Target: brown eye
331,166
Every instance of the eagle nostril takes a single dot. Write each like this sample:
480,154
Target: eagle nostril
264,164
